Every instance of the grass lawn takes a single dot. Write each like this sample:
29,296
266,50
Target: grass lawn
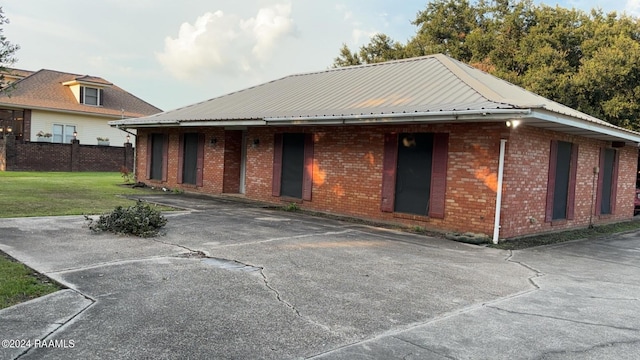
62,193
18,283
52,193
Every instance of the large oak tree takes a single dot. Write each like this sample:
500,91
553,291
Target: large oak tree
589,61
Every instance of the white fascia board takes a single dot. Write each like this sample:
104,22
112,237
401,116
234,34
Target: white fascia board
222,123
610,130
432,116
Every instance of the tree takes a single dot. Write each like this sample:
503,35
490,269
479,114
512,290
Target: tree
346,58
588,61
443,27
7,49
380,48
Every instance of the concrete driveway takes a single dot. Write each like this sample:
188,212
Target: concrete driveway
232,280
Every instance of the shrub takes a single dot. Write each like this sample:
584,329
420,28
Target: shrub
291,207
141,220
127,175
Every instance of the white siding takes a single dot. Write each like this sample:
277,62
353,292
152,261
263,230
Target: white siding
88,127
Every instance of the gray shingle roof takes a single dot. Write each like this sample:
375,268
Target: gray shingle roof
423,87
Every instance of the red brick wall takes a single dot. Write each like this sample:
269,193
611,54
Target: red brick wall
40,156
526,174
347,174
232,161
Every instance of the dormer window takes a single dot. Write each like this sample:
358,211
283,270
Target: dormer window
91,96
88,90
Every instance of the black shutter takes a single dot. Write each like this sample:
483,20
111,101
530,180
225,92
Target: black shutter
81,94
101,97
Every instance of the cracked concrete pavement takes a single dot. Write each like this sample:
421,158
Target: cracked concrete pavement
233,280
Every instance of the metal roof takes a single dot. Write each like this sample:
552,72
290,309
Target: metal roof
424,89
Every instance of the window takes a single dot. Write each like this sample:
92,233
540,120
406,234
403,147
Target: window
12,123
293,165
561,183
63,133
91,96
415,173
607,182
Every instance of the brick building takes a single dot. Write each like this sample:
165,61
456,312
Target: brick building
426,141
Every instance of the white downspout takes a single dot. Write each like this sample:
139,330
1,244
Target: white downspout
496,225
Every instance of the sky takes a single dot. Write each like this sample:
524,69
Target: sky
176,53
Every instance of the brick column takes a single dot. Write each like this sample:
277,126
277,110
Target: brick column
128,156
75,155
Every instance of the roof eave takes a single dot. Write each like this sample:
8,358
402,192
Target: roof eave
62,111
428,116
581,127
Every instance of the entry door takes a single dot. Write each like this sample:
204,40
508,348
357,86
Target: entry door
190,163
413,174
292,165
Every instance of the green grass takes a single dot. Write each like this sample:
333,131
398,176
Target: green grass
18,283
554,238
47,194
62,193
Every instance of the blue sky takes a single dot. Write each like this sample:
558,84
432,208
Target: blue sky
176,53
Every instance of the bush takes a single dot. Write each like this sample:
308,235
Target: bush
141,220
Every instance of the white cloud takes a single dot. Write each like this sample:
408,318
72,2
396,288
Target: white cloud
267,27
222,43
633,7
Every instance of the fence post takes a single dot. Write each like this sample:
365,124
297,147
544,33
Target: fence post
75,155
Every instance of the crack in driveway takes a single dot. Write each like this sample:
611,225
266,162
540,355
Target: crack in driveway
235,265
585,351
562,319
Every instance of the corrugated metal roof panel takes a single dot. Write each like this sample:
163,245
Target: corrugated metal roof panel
425,85
420,84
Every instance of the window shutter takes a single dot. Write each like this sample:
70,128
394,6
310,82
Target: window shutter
101,97
389,165
276,179
439,175
600,182
307,177
181,159
165,157
573,173
149,151
81,94
614,182
200,161
551,181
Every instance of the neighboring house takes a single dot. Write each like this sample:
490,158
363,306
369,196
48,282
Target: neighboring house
61,104
427,141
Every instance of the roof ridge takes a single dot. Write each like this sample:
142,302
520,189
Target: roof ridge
352,67
455,67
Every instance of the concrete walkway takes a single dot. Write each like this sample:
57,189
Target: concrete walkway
279,285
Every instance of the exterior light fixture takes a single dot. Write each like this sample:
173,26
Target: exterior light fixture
213,141
75,135
128,138
513,123
256,142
